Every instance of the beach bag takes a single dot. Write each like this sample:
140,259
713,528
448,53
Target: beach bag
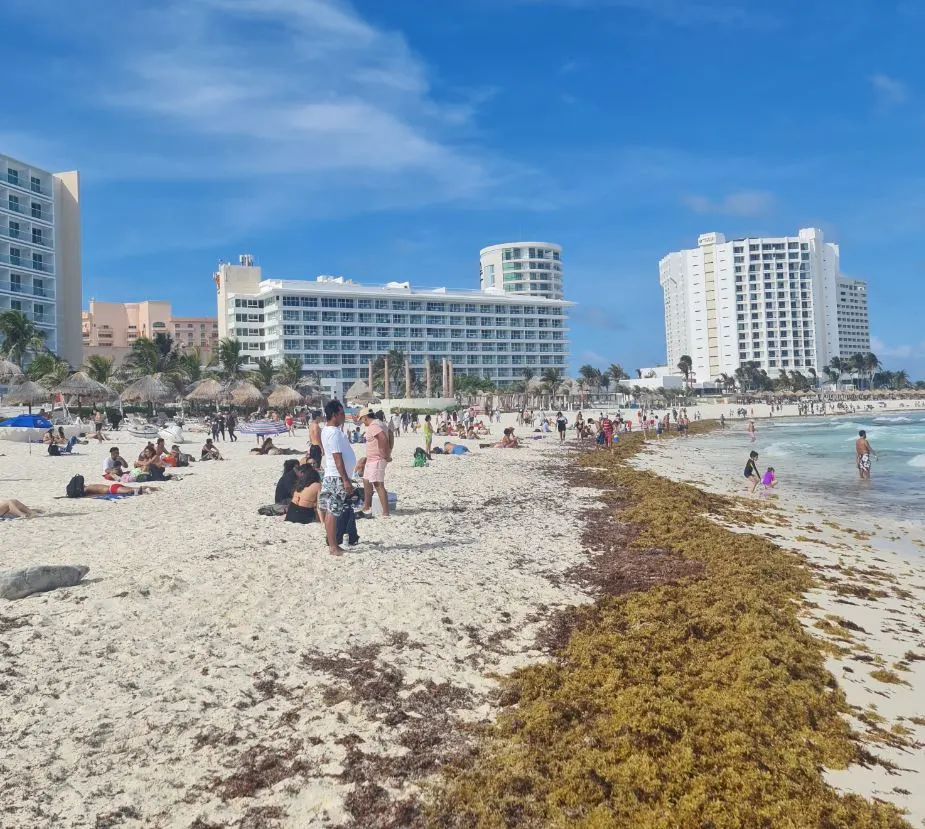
54,449
420,458
75,487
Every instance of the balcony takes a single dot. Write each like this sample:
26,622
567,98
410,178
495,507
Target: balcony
25,238
12,180
43,292
44,319
22,262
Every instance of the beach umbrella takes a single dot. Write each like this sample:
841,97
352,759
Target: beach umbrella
27,393
365,397
82,386
208,391
264,428
246,394
358,388
284,397
8,371
148,389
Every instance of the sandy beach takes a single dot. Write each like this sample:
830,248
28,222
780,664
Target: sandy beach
217,665
871,604
216,668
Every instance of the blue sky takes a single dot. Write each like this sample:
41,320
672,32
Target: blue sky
391,139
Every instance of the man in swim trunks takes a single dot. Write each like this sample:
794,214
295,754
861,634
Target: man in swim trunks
864,450
314,439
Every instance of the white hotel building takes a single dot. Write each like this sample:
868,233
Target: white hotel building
40,256
335,327
780,302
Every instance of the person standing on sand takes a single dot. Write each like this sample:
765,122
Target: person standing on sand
606,426
428,434
751,471
751,430
722,421
378,454
339,463
561,425
864,450
314,439
232,423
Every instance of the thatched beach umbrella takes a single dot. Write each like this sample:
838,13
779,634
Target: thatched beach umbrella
284,397
365,397
358,388
246,394
82,386
149,389
27,393
208,391
8,371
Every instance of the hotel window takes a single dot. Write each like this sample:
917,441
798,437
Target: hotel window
36,210
36,184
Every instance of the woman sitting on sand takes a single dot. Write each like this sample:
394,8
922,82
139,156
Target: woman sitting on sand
16,509
149,464
508,441
285,486
304,504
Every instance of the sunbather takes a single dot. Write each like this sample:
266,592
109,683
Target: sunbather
16,509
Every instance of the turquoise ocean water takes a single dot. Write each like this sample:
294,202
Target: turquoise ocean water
816,456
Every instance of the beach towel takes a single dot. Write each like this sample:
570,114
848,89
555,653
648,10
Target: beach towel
110,497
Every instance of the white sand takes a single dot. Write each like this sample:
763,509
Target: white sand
190,629
893,624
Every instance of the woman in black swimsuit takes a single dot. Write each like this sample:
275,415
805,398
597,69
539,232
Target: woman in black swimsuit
303,507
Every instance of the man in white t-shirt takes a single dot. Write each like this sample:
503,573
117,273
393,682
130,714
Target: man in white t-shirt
115,465
339,463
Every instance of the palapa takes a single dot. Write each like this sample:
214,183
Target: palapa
8,371
284,397
246,394
82,386
26,393
358,388
208,391
149,389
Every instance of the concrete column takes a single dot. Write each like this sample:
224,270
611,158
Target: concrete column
408,378
443,376
385,391
449,371
370,375
427,377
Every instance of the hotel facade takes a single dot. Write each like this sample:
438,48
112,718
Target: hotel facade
781,302
335,327
40,252
111,328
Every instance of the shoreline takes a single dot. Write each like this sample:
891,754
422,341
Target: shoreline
868,605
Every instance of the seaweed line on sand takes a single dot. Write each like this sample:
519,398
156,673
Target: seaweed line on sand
699,701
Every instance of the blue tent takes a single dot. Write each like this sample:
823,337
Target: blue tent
28,421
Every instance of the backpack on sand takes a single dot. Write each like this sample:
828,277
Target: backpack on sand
75,487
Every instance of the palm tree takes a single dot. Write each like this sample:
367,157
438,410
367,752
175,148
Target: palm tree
144,359
686,366
230,358
857,365
836,368
21,336
265,371
528,374
604,381
290,371
812,373
901,379
871,364
99,368
189,364
396,358
617,373
48,369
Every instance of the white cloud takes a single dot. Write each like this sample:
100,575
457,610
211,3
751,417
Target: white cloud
902,352
889,92
681,12
302,105
747,203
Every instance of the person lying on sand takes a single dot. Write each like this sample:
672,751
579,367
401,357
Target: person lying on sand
16,509
450,448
